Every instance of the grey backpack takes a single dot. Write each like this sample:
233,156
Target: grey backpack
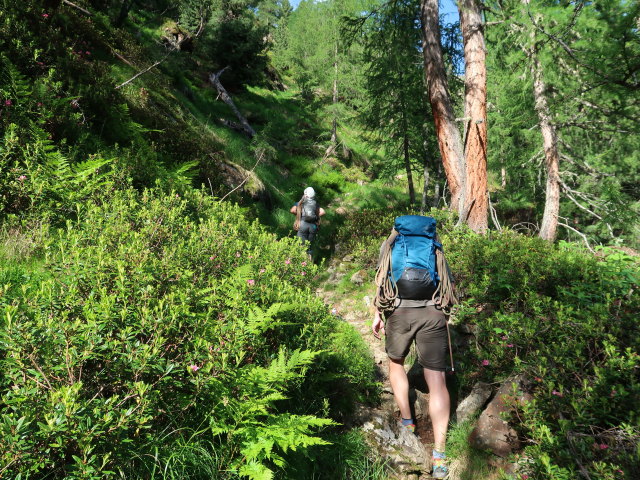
310,210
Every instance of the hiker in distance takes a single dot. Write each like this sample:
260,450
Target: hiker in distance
308,215
414,286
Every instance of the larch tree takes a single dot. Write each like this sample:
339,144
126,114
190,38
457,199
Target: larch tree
464,158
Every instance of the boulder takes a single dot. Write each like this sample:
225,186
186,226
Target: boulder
492,432
480,393
359,277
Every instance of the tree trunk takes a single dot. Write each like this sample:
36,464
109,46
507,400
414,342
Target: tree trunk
124,12
447,131
476,206
436,188
407,166
549,228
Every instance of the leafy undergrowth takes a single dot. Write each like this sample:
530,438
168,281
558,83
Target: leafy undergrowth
562,316
167,336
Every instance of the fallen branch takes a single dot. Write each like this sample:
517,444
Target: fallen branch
494,214
214,78
260,157
120,57
86,12
146,69
584,237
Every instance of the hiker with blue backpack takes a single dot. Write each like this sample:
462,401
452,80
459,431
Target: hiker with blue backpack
308,213
414,290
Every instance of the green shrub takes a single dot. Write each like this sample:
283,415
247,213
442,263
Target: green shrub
567,319
167,323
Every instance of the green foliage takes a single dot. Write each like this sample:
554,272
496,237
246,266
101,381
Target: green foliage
164,320
582,50
397,109
567,319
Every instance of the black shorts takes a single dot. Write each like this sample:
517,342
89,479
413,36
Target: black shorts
427,326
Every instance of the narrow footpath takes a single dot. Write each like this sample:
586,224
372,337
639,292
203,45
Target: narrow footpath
407,455
404,453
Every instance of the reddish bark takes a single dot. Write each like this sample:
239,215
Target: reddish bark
476,205
447,131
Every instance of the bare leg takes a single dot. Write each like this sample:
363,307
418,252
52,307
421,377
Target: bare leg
400,385
439,406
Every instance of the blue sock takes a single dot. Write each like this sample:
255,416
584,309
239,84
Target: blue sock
407,421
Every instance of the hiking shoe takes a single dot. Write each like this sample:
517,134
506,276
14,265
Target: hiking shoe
439,467
411,427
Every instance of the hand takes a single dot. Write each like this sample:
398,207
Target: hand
378,325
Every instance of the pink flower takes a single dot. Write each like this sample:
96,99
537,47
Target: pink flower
8,103
194,368
603,446
87,53
304,264
613,393
485,362
302,273
237,254
39,104
504,337
212,257
287,261
22,178
251,282
45,15
262,270
524,476
510,345
557,393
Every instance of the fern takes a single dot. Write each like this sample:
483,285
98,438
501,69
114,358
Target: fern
284,432
16,85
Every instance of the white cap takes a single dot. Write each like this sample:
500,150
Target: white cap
309,192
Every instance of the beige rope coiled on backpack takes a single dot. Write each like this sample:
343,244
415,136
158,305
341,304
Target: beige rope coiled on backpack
444,296
387,290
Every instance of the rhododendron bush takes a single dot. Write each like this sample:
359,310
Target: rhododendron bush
160,323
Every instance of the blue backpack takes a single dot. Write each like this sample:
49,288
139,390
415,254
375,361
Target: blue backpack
413,257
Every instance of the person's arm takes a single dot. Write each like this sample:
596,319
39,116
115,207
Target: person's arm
294,209
321,212
378,325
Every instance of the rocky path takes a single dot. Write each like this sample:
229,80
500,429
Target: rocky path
404,452
408,455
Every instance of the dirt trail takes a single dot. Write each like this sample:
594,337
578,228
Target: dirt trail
356,309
